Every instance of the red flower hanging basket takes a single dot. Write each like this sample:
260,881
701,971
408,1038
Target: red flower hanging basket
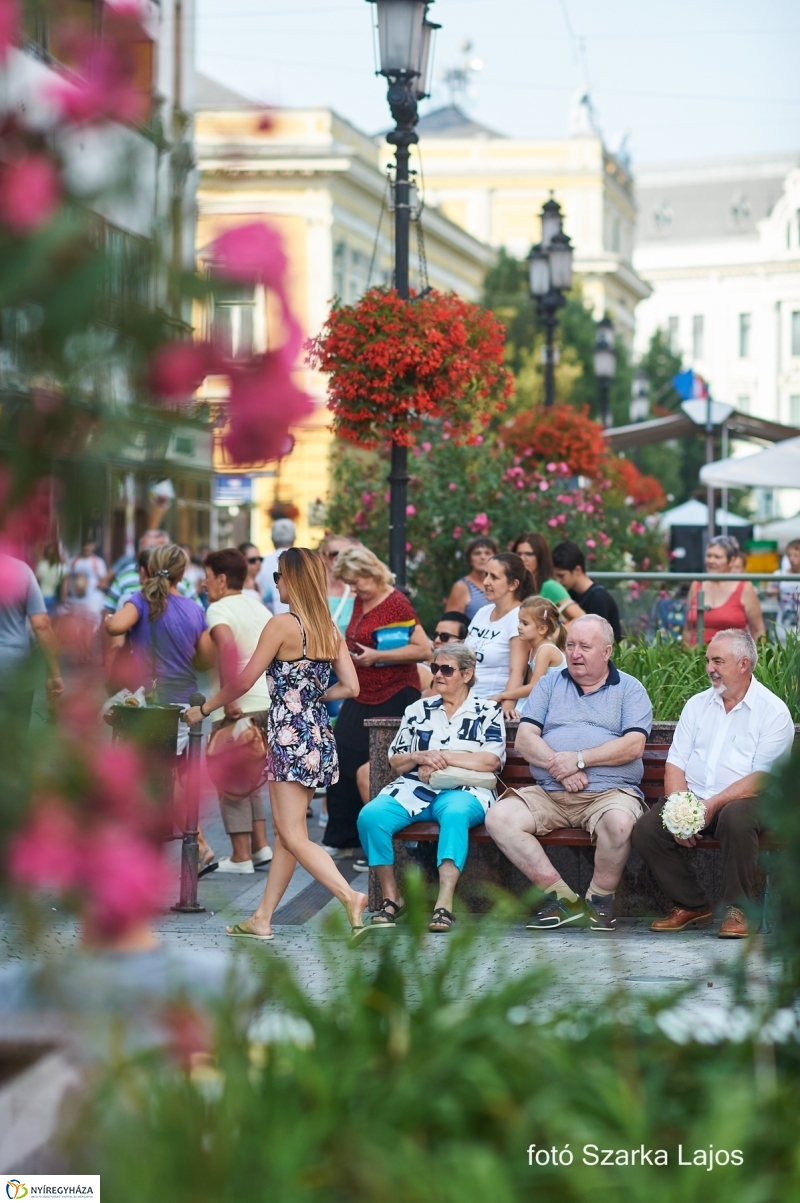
394,363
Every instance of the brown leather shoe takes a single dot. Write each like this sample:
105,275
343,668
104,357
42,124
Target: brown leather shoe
734,925
680,918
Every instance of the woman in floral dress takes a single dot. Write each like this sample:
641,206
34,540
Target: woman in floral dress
297,651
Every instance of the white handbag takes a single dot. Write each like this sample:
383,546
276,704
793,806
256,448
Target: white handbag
458,778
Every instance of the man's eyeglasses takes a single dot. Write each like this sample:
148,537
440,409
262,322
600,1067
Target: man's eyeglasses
276,576
446,670
445,637
255,559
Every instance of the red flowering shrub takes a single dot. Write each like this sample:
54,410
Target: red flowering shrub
393,363
559,433
627,481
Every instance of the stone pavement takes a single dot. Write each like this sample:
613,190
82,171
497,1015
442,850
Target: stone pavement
579,963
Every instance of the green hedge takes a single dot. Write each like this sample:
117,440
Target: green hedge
671,672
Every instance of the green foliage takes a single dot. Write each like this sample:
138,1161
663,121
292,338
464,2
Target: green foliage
408,1084
458,492
672,673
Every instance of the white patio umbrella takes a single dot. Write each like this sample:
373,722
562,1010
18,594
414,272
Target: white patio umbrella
776,467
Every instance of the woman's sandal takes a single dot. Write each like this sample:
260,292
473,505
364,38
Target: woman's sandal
207,862
442,920
385,918
244,933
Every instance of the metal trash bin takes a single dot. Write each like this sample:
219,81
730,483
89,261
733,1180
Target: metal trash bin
155,730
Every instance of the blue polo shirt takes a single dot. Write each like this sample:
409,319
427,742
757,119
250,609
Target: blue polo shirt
570,720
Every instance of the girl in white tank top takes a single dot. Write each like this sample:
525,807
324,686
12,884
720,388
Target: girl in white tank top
541,628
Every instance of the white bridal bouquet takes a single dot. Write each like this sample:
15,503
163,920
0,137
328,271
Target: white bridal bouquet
683,814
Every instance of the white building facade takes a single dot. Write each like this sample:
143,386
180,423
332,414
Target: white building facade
719,243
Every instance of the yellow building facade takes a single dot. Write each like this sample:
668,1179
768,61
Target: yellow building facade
323,184
494,187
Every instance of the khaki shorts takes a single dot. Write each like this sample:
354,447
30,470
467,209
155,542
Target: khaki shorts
562,809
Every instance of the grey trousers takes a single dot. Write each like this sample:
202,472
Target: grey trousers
238,817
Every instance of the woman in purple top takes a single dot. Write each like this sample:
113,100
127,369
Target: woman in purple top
168,632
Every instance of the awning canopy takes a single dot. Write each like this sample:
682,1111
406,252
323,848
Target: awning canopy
776,467
695,513
680,426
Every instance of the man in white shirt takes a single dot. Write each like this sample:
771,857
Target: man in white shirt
236,617
726,741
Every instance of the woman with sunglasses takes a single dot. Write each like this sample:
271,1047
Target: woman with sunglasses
452,627
297,651
453,730
254,561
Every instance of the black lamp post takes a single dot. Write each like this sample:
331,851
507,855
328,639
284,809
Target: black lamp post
405,39
605,365
550,268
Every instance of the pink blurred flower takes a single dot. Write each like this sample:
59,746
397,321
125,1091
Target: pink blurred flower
563,468
411,510
253,254
9,25
603,537
591,543
544,486
551,467
552,522
478,440
590,509
452,486
47,854
408,547
126,880
480,524
177,370
457,532
264,402
368,500
103,87
425,446
30,193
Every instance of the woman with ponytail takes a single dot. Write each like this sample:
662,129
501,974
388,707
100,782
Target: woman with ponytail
168,632
297,651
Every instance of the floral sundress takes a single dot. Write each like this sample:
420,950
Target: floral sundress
301,744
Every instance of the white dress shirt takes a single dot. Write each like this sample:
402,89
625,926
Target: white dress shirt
715,747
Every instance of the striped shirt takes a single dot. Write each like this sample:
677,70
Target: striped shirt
127,582
570,720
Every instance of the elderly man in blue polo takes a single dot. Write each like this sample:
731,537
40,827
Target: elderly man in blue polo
583,732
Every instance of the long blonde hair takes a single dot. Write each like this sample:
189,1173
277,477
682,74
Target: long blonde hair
544,611
165,567
307,586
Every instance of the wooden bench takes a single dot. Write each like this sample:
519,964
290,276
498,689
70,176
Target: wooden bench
569,848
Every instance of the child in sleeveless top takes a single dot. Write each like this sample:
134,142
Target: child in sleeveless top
541,628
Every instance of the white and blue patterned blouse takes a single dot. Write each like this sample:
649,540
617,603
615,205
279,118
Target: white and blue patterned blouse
476,726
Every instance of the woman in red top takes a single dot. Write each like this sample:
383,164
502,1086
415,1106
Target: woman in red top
388,680
728,606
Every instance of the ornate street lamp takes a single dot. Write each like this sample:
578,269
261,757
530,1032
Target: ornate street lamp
640,398
550,271
605,365
405,38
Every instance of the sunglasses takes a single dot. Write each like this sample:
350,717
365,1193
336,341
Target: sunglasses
445,637
446,670
255,559
331,555
276,576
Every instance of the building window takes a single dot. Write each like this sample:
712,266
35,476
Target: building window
745,321
794,409
672,333
743,405
796,332
698,324
615,236
234,322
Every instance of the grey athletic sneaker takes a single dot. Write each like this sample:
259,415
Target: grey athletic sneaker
600,908
557,912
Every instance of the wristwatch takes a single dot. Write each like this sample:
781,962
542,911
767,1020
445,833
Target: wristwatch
581,761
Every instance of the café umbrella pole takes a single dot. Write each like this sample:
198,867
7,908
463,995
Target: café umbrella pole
189,853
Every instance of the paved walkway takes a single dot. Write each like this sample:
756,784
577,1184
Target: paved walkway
578,963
